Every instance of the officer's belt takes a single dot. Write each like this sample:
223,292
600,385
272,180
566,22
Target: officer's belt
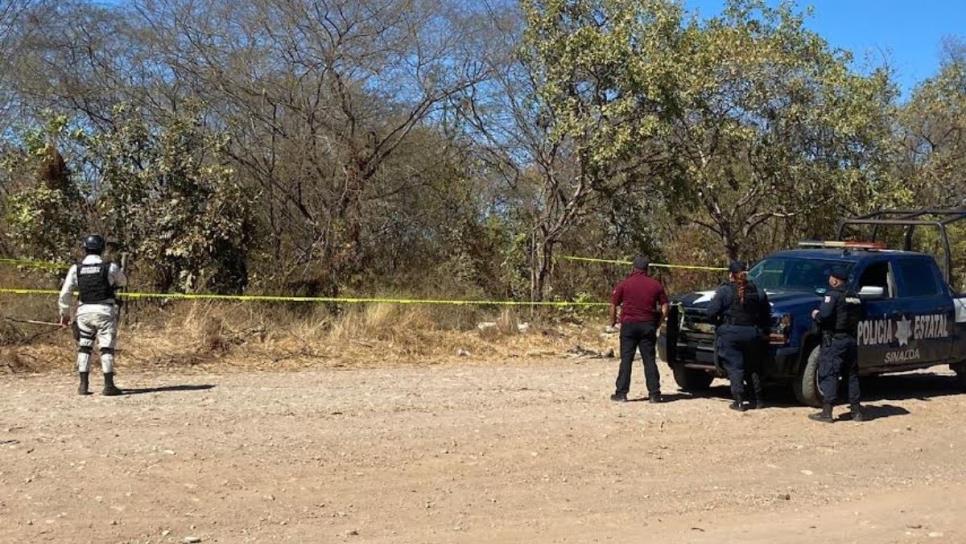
737,323
108,302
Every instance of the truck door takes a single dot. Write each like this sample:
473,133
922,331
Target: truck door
911,324
928,304
876,333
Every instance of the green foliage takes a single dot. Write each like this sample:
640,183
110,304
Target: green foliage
435,150
44,210
772,128
600,72
602,68
934,137
169,198
41,223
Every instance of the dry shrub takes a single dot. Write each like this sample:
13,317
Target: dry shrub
9,334
508,324
505,325
13,362
181,334
212,338
382,322
190,332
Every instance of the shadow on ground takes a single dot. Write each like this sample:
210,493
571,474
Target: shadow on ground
922,386
665,398
167,389
876,411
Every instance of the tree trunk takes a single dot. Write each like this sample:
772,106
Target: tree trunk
731,245
541,263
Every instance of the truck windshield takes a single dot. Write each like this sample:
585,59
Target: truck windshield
793,274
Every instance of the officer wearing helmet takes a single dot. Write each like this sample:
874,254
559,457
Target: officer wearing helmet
743,315
96,281
838,317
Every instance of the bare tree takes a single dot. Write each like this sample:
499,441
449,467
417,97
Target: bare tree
318,97
559,120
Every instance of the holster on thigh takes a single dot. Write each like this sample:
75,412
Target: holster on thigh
85,342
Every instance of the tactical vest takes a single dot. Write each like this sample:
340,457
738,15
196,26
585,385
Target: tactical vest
744,314
848,313
94,284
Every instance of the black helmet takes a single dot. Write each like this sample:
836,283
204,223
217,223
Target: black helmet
94,243
840,272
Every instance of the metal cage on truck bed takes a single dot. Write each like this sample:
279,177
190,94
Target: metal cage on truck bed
910,219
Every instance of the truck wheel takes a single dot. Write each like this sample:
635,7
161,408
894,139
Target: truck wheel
692,380
806,384
960,369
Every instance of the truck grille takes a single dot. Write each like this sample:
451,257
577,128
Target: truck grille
695,324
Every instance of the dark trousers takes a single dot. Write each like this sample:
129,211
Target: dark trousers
739,349
754,364
634,337
838,358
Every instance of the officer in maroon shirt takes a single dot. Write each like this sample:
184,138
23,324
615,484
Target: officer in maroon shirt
638,297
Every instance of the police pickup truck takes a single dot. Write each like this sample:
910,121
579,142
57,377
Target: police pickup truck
911,317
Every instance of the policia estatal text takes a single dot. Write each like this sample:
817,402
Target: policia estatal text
96,281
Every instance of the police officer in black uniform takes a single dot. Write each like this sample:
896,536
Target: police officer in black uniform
838,318
743,315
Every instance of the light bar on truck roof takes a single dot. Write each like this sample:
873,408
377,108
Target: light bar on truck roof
838,244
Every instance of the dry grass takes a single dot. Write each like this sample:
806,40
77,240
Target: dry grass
205,334
183,335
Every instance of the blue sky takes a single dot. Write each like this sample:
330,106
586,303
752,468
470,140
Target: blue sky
905,33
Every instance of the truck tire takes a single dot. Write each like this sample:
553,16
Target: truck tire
806,384
691,380
960,370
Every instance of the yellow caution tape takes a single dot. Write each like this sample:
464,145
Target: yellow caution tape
342,300
655,265
35,264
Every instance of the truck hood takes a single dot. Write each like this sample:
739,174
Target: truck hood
781,301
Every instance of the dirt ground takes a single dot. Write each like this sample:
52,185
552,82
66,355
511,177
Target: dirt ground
524,451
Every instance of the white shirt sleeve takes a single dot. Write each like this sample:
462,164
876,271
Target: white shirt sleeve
116,276
67,291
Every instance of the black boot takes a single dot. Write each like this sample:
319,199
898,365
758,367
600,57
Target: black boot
83,389
759,396
738,404
109,389
824,416
857,414
619,397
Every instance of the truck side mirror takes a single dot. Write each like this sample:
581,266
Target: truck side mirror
870,292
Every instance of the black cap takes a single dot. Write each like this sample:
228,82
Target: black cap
94,243
839,272
737,266
641,262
